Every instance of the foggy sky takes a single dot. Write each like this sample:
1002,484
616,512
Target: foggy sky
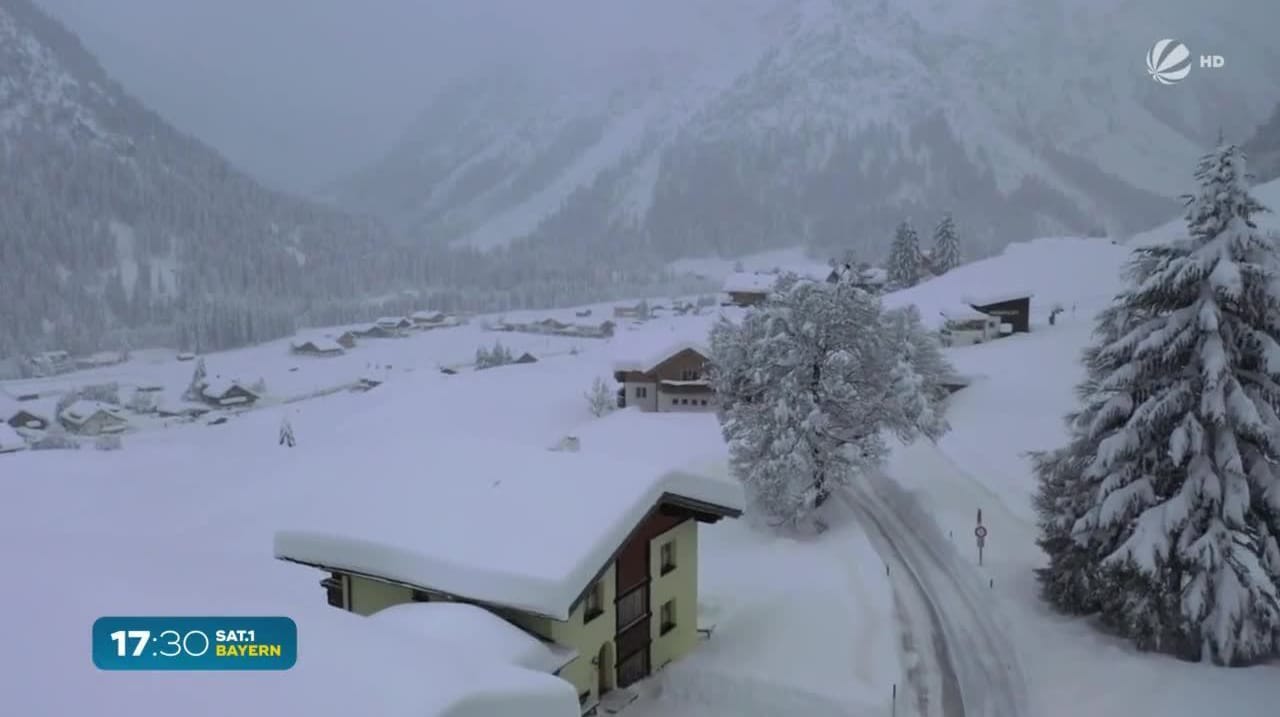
301,92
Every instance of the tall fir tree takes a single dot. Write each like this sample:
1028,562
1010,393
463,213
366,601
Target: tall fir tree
906,263
803,399
1179,535
945,255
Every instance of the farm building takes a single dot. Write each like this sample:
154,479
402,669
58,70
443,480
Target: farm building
748,288
92,418
672,379
316,346
225,392
964,326
1011,307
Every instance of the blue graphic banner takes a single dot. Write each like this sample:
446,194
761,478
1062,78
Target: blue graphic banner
195,643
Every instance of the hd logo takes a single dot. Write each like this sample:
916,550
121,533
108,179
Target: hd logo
1169,61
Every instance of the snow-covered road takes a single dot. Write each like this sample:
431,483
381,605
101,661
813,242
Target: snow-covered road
960,661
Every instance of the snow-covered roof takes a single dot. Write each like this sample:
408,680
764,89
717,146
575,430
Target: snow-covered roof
996,297
219,386
9,439
749,282
554,518
317,343
964,313
647,359
407,676
477,632
390,321
427,315
83,410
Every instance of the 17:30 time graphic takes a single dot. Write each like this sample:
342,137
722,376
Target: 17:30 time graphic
195,643
180,642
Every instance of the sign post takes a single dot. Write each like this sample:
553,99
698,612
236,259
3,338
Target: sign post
981,533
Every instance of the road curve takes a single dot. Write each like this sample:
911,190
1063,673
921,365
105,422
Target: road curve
967,665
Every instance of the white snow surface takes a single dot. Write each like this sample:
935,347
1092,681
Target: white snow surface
748,282
997,297
803,626
473,632
1056,267
414,519
9,438
1176,228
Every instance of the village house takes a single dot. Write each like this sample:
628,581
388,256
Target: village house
92,418
51,363
639,311
345,339
374,331
748,288
610,594
394,323
15,415
316,346
672,379
526,357
432,319
964,326
225,392
181,409
1010,307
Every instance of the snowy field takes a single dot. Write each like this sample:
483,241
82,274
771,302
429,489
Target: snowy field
181,521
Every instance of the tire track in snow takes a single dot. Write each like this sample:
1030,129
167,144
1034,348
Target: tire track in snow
931,684
972,658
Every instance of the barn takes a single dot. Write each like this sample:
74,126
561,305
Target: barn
1012,307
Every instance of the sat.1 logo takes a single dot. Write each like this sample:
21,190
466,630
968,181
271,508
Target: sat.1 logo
1169,62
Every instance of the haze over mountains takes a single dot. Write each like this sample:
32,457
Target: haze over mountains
582,147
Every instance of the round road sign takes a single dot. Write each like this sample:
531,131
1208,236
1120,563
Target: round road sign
980,531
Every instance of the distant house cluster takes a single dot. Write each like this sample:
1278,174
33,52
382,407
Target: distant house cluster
671,379
555,327
596,605
389,327
57,362
977,319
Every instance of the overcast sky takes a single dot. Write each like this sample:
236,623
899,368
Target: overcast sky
299,92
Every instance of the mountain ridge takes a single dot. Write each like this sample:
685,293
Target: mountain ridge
936,121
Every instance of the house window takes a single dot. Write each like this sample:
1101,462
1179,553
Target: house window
668,556
595,603
690,375
642,392
668,616
633,606
703,402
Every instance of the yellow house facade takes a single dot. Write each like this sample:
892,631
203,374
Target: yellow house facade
635,615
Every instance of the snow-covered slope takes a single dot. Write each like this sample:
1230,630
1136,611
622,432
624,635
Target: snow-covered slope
110,215
820,115
1267,193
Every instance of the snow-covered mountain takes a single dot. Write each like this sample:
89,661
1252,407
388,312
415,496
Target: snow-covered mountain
1263,149
827,121
110,218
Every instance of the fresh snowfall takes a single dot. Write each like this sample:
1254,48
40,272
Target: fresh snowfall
1118,457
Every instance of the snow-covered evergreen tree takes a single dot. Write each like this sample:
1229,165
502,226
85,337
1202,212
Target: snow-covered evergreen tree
1178,482
945,254
906,263
802,394
482,359
921,369
198,379
1071,581
601,398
